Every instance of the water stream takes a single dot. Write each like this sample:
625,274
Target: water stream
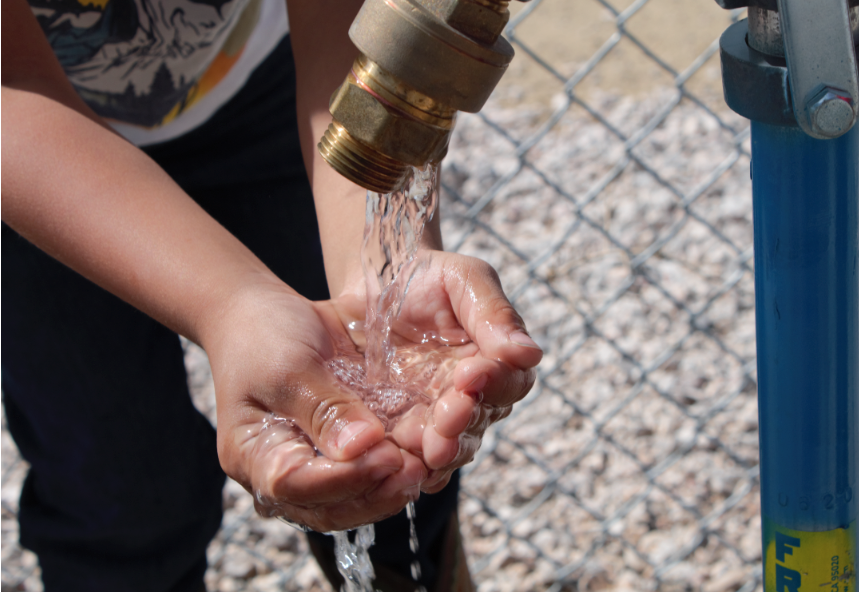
399,369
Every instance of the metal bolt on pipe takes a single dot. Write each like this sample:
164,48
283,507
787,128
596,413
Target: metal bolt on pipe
795,77
830,112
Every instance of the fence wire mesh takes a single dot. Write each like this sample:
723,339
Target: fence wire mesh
608,183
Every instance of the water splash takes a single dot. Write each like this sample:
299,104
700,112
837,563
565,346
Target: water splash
414,545
403,368
353,559
400,370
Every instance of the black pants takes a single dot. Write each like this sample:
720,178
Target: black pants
124,491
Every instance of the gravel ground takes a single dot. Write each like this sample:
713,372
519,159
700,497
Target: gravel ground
633,463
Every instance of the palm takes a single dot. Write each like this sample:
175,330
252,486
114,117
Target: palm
438,363
279,406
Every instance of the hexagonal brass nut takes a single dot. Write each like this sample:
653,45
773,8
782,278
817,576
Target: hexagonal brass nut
474,19
397,136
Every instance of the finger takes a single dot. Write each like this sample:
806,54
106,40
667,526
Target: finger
500,413
388,499
408,433
343,516
467,447
453,412
236,443
320,480
438,451
286,469
469,444
337,421
486,314
489,415
404,486
480,420
499,383
436,481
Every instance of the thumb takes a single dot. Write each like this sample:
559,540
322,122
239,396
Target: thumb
337,421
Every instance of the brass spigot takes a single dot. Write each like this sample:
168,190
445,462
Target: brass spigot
421,61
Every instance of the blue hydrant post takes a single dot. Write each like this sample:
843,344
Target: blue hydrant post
805,194
806,231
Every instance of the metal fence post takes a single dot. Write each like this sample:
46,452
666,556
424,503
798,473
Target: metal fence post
805,194
805,216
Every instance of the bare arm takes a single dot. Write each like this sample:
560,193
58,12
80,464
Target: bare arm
503,356
323,56
98,204
101,206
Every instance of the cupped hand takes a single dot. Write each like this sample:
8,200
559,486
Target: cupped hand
307,450
483,360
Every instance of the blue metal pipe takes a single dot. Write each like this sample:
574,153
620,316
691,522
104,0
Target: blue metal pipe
806,194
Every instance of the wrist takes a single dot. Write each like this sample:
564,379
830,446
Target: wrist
231,307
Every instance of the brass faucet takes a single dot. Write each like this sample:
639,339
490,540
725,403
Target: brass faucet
421,61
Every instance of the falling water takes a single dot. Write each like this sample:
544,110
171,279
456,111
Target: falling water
397,372
398,369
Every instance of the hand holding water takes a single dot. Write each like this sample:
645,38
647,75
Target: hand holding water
442,354
278,405
337,414
310,450
484,360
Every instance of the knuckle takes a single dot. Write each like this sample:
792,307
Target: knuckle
326,416
487,272
501,309
529,379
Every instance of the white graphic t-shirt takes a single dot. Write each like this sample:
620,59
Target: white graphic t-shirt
156,69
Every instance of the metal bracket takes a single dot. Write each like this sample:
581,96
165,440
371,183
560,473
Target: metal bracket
821,61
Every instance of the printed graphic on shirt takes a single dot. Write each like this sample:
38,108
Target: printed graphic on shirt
145,61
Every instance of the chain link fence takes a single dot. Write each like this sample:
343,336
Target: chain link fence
608,183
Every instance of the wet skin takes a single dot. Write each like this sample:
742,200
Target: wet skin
101,206
361,475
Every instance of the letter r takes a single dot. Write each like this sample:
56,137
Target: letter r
786,579
781,545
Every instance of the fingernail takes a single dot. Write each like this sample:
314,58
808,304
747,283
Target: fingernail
379,473
476,385
350,432
522,338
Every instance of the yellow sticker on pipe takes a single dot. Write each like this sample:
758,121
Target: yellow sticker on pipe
801,561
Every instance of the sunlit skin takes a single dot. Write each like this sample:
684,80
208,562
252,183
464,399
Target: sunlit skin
346,487
96,203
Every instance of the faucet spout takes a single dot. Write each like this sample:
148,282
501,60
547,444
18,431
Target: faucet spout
421,61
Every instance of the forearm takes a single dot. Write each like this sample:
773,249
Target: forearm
323,56
101,206
90,199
